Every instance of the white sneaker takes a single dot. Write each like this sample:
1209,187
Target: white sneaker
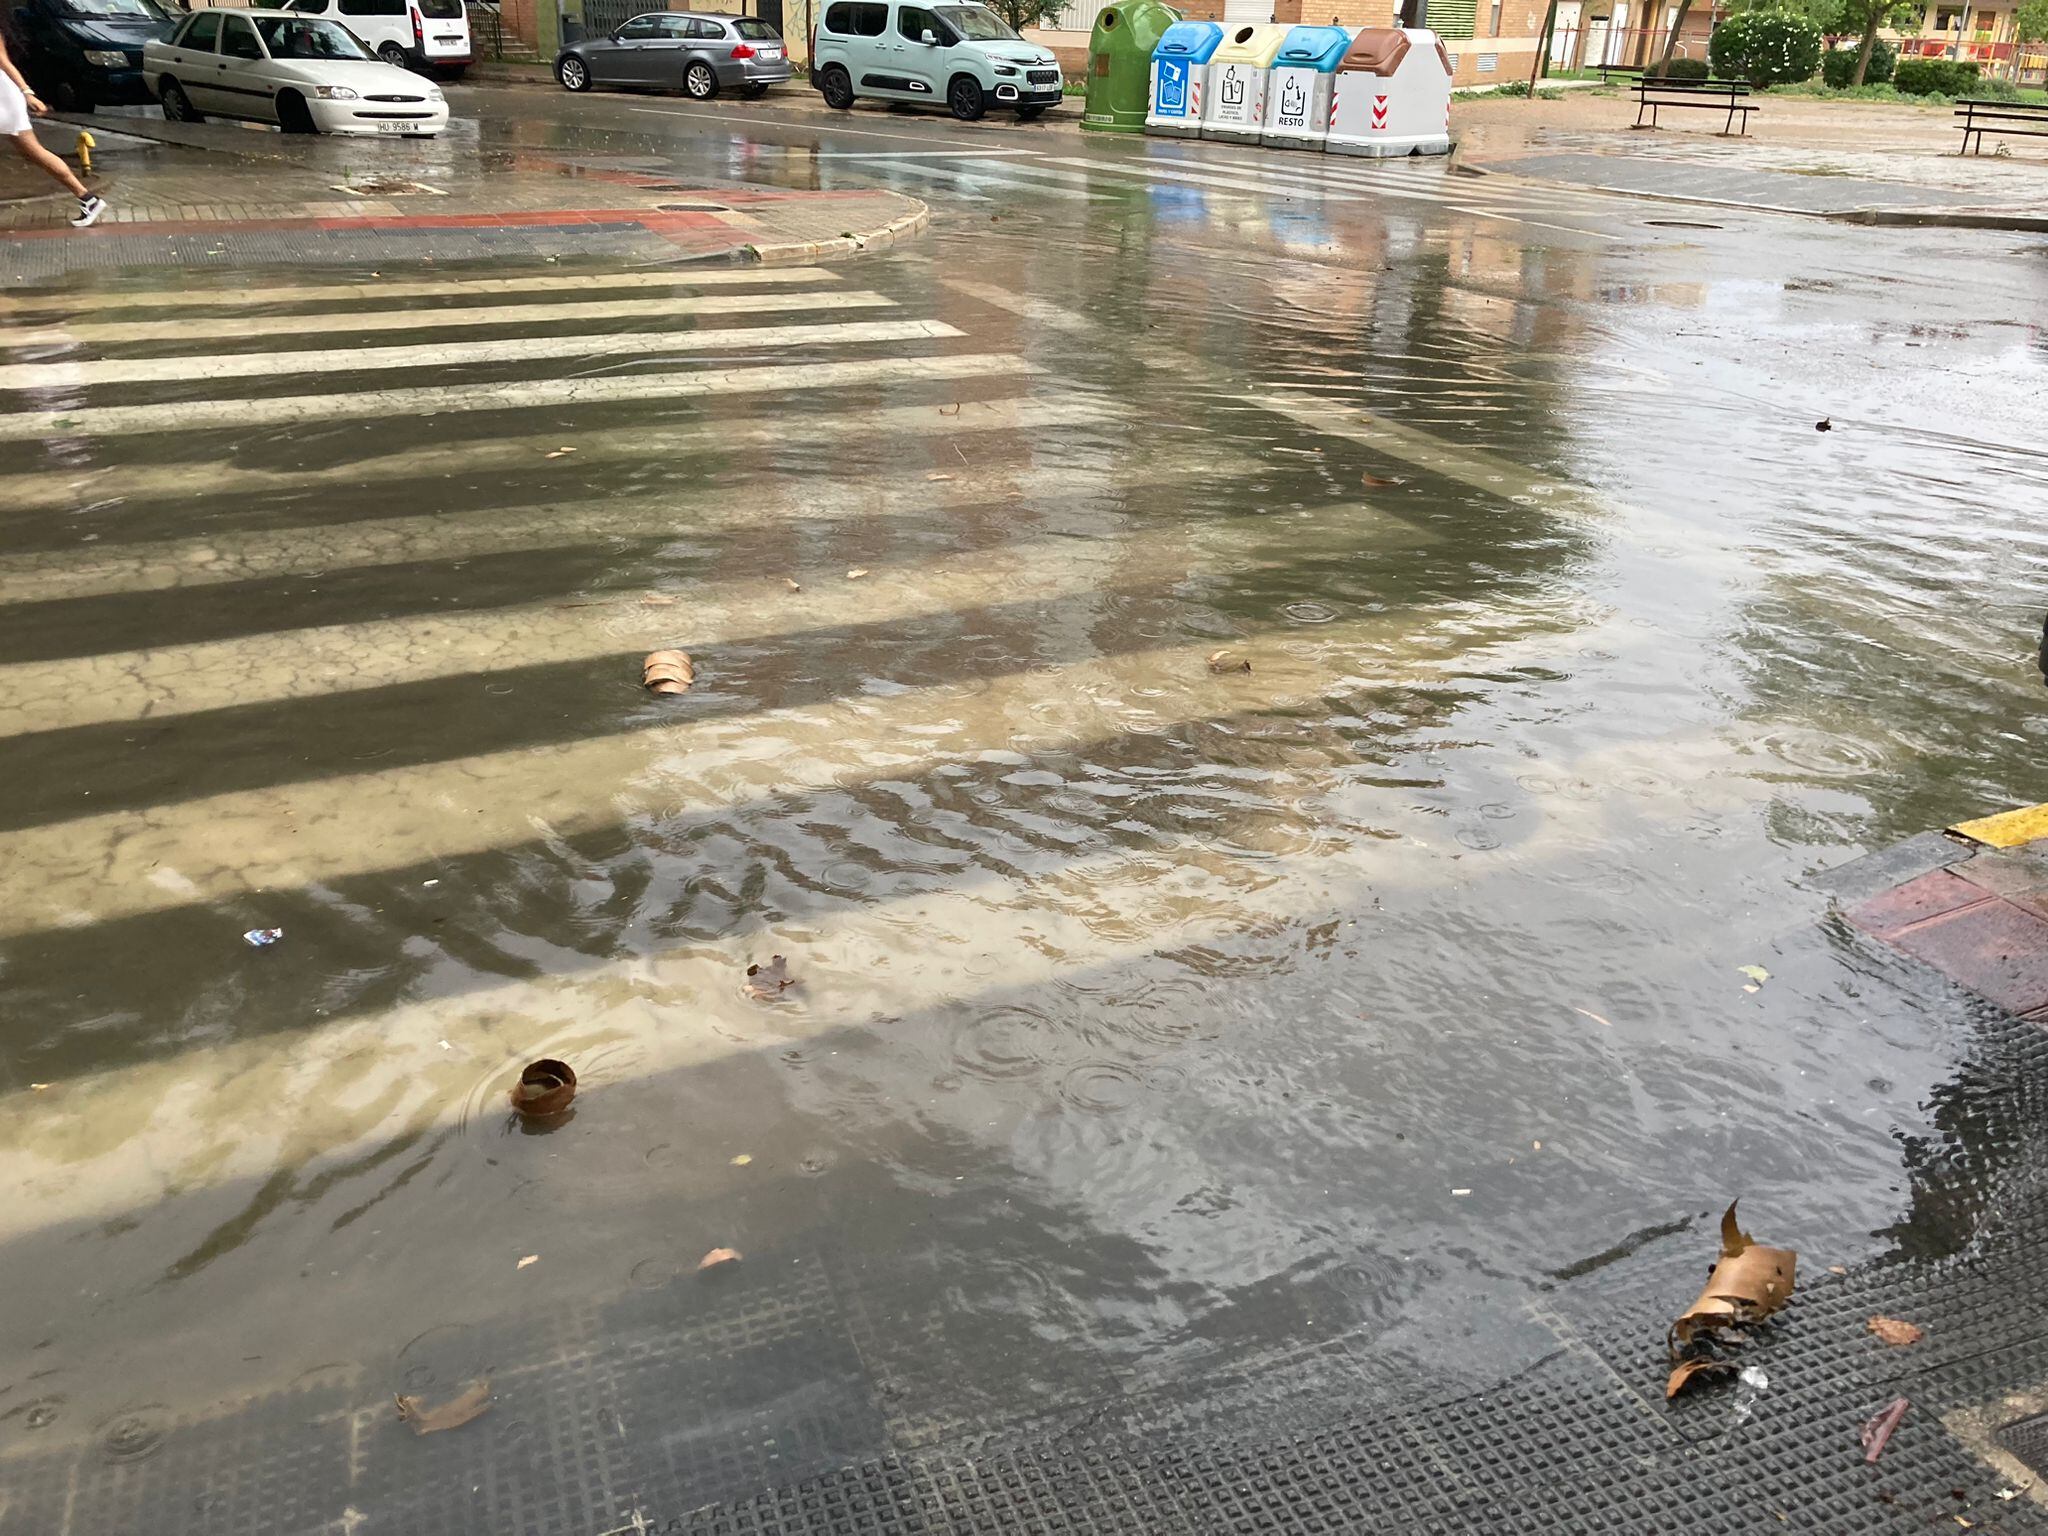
90,207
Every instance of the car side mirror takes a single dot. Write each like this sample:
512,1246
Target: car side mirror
929,38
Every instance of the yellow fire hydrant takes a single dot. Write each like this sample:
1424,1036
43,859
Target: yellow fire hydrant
85,147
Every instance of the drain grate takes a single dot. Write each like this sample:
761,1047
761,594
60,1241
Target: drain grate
2028,1440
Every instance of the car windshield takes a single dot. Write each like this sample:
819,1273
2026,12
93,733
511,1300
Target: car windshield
141,10
978,24
302,37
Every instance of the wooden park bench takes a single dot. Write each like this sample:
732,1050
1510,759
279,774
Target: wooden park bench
1609,73
1978,114
1714,95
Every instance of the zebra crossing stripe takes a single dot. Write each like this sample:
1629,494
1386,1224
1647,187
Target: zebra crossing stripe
192,298
469,455
246,365
445,400
1151,171
235,327
165,681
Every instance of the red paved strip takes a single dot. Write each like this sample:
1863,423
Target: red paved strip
1992,947
1915,902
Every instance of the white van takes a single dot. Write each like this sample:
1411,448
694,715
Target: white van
412,34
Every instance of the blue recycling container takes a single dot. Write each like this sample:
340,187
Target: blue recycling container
1298,94
1178,63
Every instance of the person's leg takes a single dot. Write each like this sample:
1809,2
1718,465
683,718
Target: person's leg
32,151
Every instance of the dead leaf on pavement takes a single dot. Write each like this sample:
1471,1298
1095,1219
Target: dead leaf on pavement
452,1414
667,672
1749,1282
1688,1369
718,1256
770,980
1896,1331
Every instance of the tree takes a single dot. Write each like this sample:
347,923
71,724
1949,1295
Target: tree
1765,48
1678,25
1027,13
1867,16
2029,25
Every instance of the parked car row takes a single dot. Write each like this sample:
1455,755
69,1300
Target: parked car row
85,54
892,50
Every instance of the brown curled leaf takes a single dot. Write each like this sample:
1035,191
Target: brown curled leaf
1896,1331
453,1414
545,1087
667,672
1688,1371
1379,482
718,1256
1749,1282
1221,662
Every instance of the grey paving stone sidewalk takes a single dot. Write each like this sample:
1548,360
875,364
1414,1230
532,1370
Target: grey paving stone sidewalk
1692,180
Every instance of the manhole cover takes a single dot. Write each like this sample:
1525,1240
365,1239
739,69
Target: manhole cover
388,186
2028,1440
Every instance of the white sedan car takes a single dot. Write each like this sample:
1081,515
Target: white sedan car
304,74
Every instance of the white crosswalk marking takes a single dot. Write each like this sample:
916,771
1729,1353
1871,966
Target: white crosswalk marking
448,354
430,400
237,327
185,300
1151,170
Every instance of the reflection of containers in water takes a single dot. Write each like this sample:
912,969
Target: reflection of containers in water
1178,65
1392,95
1297,112
1234,92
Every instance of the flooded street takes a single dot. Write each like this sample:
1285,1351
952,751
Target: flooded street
1266,725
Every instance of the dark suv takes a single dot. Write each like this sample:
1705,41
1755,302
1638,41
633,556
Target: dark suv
81,54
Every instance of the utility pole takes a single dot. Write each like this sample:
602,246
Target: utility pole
1542,60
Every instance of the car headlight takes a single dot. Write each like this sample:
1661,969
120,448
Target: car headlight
334,92
1006,69
434,93
106,58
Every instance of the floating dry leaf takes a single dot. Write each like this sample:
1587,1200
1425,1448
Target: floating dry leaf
545,1088
950,410
657,600
452,1414
1755,973
1589,1013
667,672
1222,661
936,475
791,583
1896,1331
856,573
742,1160
531,1258
770,980
1379,482
718,1256
1825,424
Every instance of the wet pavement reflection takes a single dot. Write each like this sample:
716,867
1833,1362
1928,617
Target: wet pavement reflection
1153,1018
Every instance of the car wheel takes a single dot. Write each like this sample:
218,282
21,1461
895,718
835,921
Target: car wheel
964,97
178,106
836,86
700,83
394,55
292,115
573,73
74,96
755,92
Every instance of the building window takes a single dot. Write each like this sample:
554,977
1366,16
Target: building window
1453,18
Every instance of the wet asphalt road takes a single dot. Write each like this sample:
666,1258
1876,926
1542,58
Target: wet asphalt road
1154,1017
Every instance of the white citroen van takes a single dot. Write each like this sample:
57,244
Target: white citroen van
962,54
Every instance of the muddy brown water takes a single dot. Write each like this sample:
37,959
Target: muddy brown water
1150,1019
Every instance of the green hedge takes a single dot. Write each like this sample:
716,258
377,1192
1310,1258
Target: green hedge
1684,69
1765,48
1838,65
1935,77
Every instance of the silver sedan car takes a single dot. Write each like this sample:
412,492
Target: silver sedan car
699,55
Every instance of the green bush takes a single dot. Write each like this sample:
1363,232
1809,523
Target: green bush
1512,88
1838,65
1935,77
1765,48
1683,69
1995,89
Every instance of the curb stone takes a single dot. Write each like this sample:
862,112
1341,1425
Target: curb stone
799,251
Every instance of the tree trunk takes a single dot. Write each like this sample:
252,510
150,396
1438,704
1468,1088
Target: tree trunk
1671,42
1541,62
1869,42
